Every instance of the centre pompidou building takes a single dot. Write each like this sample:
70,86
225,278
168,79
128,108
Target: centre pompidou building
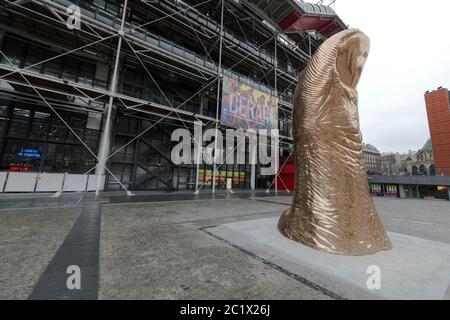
91,91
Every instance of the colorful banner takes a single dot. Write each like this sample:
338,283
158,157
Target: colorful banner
246,108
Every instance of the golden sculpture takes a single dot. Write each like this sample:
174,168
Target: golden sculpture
332,209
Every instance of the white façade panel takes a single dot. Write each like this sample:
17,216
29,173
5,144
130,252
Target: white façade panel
92,183
75,182
21,182
3,176
50,182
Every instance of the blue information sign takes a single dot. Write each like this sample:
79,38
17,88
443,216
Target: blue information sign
29,153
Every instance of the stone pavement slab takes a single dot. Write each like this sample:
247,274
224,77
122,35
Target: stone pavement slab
415,269
157,251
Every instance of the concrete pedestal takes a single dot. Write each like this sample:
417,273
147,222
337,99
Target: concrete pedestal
414,269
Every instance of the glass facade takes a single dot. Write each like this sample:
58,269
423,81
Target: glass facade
34,139
24,54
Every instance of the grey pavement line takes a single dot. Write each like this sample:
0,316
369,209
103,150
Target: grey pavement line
32,241
79,200
218,197
80,248
292,275
158,202
226,217
205,220
37,208
268,201
421,222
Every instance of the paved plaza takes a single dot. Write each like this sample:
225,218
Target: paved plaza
160,246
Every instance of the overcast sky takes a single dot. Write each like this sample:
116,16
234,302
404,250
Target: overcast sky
410,54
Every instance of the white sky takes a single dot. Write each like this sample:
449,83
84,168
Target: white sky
410,54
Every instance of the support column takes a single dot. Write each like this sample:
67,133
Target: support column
202,103
253,169
219,83
275,67
309,45
402,191
253,177
105,140
198,147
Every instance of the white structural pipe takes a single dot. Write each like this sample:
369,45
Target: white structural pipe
219,82
106,134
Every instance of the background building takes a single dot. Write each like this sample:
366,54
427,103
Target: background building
420,163
113,91
438,110
410,175
372,159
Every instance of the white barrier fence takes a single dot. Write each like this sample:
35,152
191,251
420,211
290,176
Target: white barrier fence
48,182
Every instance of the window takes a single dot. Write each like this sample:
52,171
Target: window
3,118
34,56
133,83
20,123
77,70
14,50
53,67
70,70
112,8
48,146
87,74
107,5
21,156
59,130
99,3
69,67
41,125
77,124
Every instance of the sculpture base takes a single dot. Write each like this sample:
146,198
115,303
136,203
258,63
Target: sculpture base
414,269
357,248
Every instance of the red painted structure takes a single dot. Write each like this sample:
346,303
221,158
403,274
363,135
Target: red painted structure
438,110
297,22
286,178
